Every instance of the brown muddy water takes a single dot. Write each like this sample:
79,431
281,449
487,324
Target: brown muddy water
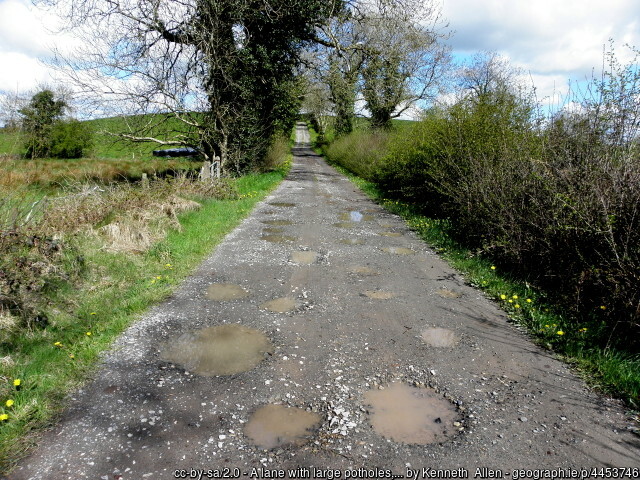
379,294
439,337
225,291
274,426
412,415
446,293
304,257
279,305
269,230
398,250
219,350
276,238
278,223
352,241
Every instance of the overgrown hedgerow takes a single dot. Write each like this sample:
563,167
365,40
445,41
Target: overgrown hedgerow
555,202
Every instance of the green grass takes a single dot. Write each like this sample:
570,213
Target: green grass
85,319
612,372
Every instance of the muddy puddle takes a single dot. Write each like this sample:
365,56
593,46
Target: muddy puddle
398,250
220,350
378,294
446,293
412,415
304,257
268,230
225,291
363,270
274,426
391,234
439,337
278,223
282,204
276,238
279,305
345,224
355,216
352,241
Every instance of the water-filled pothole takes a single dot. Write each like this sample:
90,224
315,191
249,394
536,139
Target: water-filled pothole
398,250
352,241
345,224
411,415
278,223
304,257
279,305
379,294
282,204
363,270
439,337
273,426
355,216
276,238
446,293
225,291
220,350
391,234
268,230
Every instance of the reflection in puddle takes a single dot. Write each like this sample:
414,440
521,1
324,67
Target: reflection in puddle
304,258
446,293
221,350
278,222
391,234
272,230
379,294
279,305
276,425
398,250
362,270
225,291
282,204
352,241
439,337
411,415
275,238
355,216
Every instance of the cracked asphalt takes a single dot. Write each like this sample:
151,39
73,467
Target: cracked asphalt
360,303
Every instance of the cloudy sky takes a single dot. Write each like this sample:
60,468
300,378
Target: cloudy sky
553,40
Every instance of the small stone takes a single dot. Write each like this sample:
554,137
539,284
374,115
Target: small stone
523,419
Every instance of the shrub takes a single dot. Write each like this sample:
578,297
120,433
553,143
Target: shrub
70,139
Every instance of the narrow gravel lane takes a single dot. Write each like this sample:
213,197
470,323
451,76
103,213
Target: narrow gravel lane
324,337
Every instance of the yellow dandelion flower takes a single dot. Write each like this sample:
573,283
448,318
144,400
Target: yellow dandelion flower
493,267
560,332
510,301
72,356
602,307
158,277
57,344
4,417
17,382
503,297
93,313
515,297
88,334
528,300
546,326
516,306
9,403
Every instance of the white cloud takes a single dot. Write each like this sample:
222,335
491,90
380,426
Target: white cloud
554,40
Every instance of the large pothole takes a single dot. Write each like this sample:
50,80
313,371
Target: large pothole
411,415
274,426
225,291
219,350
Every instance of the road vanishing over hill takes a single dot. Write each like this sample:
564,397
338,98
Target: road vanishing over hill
323,337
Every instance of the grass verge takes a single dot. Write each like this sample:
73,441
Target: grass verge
39,367
610,371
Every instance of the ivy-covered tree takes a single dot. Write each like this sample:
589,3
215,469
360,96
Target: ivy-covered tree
38,120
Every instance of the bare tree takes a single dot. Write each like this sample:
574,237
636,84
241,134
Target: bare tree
199,73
